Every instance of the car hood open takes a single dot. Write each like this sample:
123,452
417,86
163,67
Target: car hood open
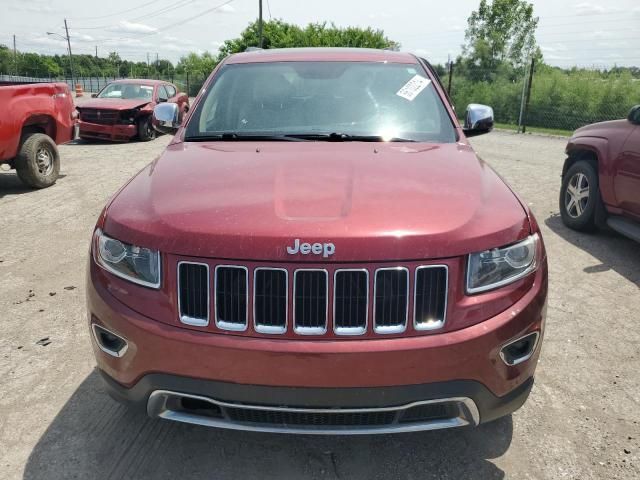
373,201
114,103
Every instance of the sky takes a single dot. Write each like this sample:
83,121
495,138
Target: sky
599,33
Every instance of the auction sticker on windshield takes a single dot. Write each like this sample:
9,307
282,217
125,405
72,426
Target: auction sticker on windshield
413,87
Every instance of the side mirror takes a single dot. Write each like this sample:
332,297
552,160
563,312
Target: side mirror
634,115
478,120
166,118
94,95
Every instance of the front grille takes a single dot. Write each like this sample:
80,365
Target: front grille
193,293
350,301
391,300
350,295
231,297
430,299
104,117
270,300
310,301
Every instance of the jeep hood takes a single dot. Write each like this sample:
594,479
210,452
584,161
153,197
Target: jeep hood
373,201
114,103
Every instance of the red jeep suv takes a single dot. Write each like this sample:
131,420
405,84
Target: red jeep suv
319,250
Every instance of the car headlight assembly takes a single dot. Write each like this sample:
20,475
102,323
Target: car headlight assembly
495,268
136,264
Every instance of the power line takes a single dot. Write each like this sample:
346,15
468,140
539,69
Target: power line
179,4
117,13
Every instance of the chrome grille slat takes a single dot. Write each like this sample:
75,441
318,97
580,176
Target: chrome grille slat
350,301
193,293
391,300
310,301
349,294
270,300
231,297
430,297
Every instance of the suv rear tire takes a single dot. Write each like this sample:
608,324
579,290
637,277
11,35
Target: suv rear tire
38,161
579,196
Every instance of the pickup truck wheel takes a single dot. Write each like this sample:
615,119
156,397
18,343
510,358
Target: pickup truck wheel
146,131
579,196
38,161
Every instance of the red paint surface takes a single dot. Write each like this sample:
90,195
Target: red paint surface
47,106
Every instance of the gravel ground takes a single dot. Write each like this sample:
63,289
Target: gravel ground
581,421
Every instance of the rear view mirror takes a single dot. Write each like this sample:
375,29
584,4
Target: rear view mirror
478,120
166,118
634,115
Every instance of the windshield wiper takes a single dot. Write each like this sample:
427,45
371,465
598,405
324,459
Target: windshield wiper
241,137
345,137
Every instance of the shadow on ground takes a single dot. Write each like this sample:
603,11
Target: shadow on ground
10,184
94,437
614,251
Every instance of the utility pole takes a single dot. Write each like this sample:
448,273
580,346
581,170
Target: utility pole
450,75
96,51
157,65
260,23
526,106
15,57
70,54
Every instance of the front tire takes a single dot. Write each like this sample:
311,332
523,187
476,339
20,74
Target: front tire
579,196
38,161
146,131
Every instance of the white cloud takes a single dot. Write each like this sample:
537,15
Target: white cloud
130,27
421,52
173,41
557,48
33,6
588,8
226,9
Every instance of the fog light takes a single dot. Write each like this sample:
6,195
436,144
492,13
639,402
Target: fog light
109,342
519,350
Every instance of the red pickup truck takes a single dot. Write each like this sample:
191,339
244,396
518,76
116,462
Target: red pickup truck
601,177
36,117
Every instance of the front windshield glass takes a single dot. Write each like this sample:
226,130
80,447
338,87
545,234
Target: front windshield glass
126,91
356,99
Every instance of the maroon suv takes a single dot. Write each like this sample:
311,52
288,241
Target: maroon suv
319,250
601,177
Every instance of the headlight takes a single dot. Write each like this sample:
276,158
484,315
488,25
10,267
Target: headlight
501,266
137,264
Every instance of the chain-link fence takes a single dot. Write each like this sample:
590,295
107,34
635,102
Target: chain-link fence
189,83
547,97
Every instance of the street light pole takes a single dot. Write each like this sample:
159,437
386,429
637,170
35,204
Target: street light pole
260,23
70,54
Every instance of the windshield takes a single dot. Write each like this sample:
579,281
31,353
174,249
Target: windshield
354,100
127,90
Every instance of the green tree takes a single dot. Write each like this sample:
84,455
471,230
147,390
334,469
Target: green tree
500,36
197,64
279,34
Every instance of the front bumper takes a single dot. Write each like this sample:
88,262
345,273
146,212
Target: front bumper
468,403
368,373
113,133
